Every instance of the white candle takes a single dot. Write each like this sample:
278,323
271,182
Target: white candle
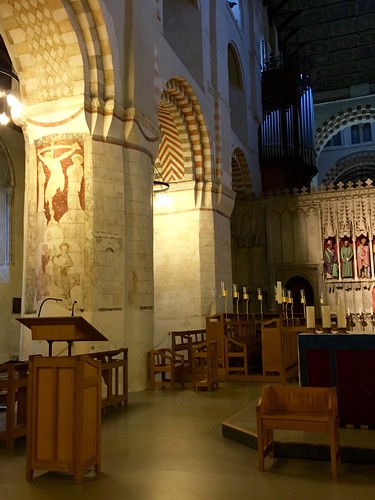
279,294
326,316
310,316
341,318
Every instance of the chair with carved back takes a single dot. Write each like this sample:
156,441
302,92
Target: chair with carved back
163,366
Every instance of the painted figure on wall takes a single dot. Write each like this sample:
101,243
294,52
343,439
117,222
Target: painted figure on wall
43,278
363,259
62,262
54,185
75,176
346,254
330,260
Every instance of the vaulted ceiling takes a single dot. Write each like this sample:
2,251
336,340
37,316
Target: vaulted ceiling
338,38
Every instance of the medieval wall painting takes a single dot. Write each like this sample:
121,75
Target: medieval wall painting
60,179
59,262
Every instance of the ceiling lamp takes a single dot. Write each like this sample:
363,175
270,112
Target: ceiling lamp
159,183
10,106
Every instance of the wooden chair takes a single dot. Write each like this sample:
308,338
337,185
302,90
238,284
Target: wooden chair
311,409
163,366
235,358
114,369
205,366
182,342
13,395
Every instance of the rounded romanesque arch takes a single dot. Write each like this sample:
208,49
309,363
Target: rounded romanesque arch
58,53
241,181
350,116
184,151
355,166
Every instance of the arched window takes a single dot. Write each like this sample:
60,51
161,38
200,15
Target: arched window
6,206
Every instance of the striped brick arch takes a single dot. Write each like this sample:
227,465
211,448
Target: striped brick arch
241,181
344,118
184,152
363,160
54,55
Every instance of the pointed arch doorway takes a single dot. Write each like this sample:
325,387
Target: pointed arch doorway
296,284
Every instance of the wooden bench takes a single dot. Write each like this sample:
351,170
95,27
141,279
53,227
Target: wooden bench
114,369
311,409
13,397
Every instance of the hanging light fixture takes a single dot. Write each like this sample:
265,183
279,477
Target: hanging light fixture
10,106
159,183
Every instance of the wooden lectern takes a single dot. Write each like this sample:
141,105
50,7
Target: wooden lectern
63,415
64,400
61,329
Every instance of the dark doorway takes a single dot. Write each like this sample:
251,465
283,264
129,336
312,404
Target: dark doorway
296,284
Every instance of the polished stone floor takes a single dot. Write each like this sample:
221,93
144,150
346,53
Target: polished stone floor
168,445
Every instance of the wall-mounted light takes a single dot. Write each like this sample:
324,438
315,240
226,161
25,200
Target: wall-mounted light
10,106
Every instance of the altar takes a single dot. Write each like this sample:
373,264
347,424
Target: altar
345,361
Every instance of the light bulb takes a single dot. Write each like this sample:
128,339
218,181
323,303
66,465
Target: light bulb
4,119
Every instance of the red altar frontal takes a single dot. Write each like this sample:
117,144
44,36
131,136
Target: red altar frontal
345,361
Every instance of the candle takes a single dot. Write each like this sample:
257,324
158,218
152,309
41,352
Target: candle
326,316
303,298
348,311
372,311
310,316
341,318
244,290
235,292
321,298
260,296
279,294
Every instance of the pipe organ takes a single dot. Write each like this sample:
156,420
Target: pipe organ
286,138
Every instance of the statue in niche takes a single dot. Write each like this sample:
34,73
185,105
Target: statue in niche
330,260
363,258
346,254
